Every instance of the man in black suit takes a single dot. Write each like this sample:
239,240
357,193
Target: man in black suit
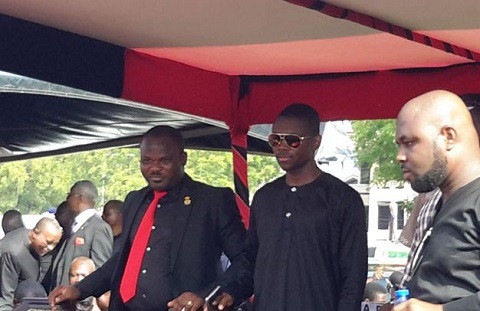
21,251
112,214
192,224
90,235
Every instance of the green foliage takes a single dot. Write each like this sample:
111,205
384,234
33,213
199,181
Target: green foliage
408,205
211,167
216,168
375,146
262,169
33,186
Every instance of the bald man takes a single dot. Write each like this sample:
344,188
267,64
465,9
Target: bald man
439,147
80,268
21,251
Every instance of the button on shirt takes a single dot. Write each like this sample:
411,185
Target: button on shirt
154,288
312,252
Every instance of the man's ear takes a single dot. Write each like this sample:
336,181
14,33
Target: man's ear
32,233
184,158
450,135
318,141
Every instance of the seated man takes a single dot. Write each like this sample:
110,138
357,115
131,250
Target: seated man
80,268
28,289
375,292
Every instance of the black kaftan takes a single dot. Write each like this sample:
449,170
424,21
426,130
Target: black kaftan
307,246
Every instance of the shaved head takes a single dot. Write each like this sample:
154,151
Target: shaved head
438,109
80,268
437,138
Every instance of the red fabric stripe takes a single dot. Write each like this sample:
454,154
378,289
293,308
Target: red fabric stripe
240,166
369,21
244,210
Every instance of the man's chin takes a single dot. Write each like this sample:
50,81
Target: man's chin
158,186
422,187
284,166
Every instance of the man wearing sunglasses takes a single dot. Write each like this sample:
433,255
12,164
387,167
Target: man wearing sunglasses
306,247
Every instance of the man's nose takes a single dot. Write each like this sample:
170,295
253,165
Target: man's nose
156,165
401,157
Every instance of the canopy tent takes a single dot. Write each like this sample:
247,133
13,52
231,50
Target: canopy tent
40,119
241,62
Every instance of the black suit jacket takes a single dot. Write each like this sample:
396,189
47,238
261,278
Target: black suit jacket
208,223
94,240
18,262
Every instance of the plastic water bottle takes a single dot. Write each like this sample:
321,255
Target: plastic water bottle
401,295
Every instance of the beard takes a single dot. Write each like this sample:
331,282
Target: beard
434,177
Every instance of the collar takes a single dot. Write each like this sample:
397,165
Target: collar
172,193
81,218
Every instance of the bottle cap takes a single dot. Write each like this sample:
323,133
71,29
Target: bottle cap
402,292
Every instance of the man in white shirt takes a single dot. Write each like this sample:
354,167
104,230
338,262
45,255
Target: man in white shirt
91,236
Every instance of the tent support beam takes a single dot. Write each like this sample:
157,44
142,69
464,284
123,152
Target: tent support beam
240,174
239,126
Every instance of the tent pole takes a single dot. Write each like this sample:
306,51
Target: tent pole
240,173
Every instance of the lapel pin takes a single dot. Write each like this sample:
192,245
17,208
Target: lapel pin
187,200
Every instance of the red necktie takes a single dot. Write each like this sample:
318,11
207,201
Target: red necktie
128,286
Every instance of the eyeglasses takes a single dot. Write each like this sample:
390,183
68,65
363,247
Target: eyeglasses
72,194
293,141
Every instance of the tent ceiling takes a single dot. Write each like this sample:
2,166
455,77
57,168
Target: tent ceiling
265,37
241,62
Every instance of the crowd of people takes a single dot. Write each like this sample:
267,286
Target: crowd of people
49,254
306,245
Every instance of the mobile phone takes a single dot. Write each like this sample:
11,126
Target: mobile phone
213,294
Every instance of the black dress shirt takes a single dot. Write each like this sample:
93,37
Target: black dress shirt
156,261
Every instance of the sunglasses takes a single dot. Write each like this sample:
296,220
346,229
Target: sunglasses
293,141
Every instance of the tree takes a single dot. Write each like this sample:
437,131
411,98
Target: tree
216,168
34,186
375,146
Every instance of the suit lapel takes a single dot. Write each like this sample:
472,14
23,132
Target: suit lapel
184,207
134,211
